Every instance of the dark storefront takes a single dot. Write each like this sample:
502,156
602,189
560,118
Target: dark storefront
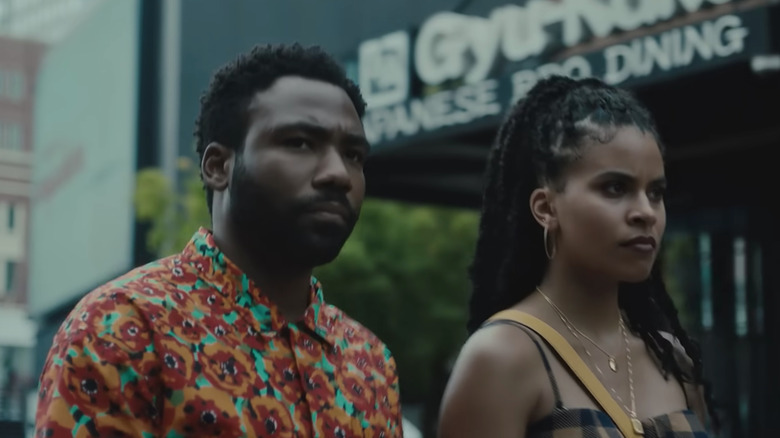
709,76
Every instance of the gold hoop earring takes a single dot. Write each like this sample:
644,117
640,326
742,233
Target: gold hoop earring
547,247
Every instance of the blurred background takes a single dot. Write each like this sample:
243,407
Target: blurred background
98,172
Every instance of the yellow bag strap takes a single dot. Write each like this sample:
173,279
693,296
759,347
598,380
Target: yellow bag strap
577,366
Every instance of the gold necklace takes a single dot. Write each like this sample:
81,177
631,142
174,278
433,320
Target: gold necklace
611,361
635,422
638,428
593,363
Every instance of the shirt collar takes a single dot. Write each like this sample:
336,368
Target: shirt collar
219,272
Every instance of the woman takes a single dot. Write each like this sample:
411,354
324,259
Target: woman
571,226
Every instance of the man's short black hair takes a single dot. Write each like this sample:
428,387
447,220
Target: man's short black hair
224,106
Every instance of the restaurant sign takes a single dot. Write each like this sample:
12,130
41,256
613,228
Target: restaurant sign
470,68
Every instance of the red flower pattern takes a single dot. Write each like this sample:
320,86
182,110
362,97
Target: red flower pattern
272,417
168,348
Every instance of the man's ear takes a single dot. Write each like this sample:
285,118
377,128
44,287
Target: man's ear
542,204
217,166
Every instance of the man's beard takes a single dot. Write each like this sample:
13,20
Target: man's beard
273,229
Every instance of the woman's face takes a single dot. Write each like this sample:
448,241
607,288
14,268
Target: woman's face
611,216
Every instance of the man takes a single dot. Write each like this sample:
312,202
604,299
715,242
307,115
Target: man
232,336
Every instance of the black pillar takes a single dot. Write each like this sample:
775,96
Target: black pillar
721,342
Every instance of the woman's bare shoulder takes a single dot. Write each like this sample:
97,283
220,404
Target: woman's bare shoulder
494,386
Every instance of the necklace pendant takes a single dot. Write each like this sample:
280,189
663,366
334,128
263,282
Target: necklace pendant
638,428
613,364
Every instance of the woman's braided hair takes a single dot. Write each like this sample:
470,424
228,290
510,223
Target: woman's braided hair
541,135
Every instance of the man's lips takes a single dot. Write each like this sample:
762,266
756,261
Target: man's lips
330,209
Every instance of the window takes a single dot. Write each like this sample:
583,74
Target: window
740,288
10,267
758,281
12,84
10,136
15,136
11,216
15,85
706,281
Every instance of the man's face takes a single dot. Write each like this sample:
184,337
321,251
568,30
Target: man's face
297,185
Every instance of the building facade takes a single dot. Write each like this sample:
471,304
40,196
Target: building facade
19,62
27,28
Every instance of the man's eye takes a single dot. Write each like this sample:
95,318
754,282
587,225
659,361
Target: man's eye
356,156
296,142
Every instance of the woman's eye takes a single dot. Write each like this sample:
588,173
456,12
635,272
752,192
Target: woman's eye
656,194
614,188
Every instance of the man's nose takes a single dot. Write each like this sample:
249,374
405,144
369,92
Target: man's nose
332,171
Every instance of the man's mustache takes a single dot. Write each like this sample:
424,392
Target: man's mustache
330,197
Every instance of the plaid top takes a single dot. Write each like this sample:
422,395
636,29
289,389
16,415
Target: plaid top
592,423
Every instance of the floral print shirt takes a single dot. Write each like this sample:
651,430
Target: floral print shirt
188,346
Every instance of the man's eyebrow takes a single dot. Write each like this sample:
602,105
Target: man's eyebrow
357,140
319,131
307,127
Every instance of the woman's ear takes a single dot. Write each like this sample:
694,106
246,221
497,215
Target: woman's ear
542,204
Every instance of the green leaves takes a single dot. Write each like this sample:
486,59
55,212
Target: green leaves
173,213
152,194
403,274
